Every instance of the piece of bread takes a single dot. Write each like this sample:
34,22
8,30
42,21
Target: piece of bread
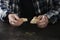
34,20
24,19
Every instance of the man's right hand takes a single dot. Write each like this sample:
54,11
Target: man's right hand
14,20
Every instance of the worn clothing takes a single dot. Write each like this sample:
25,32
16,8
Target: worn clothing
51,8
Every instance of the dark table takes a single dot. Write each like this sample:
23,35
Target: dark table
7,32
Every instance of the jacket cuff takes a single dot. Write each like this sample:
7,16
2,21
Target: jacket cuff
5,18
52,16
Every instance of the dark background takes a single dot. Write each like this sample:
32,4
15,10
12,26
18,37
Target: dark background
8,32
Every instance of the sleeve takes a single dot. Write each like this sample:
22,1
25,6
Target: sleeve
4,10
54,13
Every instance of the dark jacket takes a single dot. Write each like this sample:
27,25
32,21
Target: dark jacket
51,8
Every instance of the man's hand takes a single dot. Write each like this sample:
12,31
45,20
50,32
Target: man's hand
14,20
42,21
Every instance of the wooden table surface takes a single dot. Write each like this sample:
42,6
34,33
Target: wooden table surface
7,32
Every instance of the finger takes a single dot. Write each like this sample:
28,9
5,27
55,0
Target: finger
42,25
17,18
11,22
12,19
19,22
15,23
43,19
46,20
39,17
43,22
40,21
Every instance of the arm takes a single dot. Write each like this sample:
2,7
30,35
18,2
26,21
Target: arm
54,13
4,10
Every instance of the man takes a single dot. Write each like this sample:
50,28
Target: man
47,11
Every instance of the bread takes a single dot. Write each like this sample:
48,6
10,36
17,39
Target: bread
24,19
34,20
